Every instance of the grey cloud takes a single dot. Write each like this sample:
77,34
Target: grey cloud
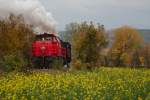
111,13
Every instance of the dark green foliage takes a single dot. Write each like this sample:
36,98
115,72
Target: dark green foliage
12,62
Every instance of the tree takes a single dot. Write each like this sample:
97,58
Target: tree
87,42
126,43
145,55
68,33
15,37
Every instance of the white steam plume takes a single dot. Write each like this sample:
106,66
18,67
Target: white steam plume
33,12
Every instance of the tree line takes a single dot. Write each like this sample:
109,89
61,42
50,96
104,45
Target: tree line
91,46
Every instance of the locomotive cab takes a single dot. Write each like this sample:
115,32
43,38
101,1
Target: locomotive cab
48,47
45,37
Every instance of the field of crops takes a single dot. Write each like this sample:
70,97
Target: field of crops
101,84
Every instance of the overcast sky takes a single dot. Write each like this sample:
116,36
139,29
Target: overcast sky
111,13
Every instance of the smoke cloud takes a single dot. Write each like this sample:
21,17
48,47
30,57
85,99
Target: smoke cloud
33,12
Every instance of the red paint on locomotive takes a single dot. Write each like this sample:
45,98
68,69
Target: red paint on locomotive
50,46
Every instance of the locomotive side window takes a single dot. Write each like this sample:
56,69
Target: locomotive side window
38,38
43,39
49,38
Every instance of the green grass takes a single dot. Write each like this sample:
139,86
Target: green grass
101,84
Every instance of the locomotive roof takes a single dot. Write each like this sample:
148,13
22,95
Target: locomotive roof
45,35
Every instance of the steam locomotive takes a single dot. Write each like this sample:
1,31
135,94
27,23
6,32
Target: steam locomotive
48,48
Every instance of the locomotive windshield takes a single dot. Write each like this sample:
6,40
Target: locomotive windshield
46,37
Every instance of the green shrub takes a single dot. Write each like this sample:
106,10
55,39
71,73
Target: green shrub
13,62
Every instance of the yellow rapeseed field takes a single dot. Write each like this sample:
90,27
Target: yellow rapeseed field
100,84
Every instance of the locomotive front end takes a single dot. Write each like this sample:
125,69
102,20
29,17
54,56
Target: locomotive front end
46,48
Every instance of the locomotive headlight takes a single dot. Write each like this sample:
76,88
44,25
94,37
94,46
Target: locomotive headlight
43,48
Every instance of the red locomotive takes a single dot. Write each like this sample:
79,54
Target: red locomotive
48,47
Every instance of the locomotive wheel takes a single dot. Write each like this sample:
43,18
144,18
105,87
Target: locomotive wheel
48,62
53,62
37,62
66,64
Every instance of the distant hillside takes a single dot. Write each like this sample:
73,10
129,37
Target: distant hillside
146,34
